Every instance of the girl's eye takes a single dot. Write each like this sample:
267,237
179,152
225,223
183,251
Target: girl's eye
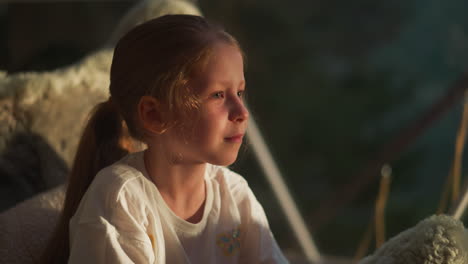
240,94
218,95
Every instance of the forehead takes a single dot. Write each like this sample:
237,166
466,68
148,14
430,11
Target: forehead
224,65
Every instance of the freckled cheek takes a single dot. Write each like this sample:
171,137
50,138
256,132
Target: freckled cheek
214,114
210,127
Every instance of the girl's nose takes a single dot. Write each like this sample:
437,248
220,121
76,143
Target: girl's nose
238,111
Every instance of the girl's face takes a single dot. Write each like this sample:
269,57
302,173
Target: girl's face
217,133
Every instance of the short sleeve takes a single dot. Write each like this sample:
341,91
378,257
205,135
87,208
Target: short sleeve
102,242
259,244
109,227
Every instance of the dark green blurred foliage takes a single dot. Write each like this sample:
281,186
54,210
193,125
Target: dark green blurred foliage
322,107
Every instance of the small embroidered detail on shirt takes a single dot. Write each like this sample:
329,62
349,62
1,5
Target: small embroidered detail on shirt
229,241
151,237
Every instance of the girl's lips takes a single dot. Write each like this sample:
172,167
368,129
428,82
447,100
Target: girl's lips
235,138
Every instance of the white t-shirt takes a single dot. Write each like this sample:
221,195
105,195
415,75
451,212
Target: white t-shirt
123,218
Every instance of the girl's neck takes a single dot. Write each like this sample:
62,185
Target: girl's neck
181,185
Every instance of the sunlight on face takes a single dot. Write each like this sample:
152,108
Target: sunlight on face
218,131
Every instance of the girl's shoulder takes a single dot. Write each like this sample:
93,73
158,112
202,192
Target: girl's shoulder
120,178
118,188
118,174
229,180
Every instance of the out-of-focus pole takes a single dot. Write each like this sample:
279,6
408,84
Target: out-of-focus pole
275,179
461,206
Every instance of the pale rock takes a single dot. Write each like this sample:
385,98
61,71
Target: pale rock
436,240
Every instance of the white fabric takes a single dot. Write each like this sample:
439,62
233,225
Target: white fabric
123,219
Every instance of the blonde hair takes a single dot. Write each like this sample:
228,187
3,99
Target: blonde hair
157,58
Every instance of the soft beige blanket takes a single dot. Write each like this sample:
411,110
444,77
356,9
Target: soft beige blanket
25,228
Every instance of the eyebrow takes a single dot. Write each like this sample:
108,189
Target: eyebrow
228,83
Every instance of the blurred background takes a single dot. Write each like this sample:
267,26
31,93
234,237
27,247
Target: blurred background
333,85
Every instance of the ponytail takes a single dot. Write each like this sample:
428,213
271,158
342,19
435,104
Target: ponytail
105,140
158,58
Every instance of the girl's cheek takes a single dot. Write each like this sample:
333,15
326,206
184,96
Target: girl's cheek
216,109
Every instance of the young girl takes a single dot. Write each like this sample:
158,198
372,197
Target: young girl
177,84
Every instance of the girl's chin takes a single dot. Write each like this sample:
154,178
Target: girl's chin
225,160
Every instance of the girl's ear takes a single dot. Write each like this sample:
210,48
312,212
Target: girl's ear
150,115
